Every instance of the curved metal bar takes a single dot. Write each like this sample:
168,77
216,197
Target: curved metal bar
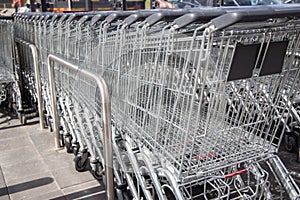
153,176
174,185
37,79
284,177
106,114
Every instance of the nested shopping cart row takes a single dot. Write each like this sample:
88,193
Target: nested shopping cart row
197,96
7,80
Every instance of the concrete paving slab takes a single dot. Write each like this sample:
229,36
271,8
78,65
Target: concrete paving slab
11,133
67,177
59,160
37,186
91,193
34,170
24,169
83,186
4,195
34,188
14,143
48,195
43,142
18,155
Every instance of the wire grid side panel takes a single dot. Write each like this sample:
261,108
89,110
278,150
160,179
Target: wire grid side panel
27,71
6,48
187,107
257,182
84,103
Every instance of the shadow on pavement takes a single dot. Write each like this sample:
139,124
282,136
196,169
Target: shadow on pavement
87,194
25,186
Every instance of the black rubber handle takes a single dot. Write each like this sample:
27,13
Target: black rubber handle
131,19
198,15
71,18
112,17
96,18
63,18
226,20
83,19
225,16
165,15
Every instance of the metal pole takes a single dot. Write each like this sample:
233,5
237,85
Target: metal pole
70,5
53,102
106,115
38,84
37,80
32,6
43,5
88,5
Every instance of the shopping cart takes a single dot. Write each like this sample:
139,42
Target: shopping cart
184,98
195,105
9,89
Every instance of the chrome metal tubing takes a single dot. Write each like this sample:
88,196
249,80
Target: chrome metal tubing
284,177
37,79
106,112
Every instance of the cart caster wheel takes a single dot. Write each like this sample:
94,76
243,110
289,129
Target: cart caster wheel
68,143
127,196
80,165
46,120
50,127
75,149
97,175
23,119
290,144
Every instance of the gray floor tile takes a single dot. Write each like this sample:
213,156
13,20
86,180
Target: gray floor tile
34,170
24,169
82,186
33,186
48,195
67,177
14,143
18,155
3,189
91,193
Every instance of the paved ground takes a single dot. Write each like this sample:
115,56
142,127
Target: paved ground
31,168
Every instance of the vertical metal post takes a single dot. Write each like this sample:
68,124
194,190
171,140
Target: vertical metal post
88,5
32,6
70,5
38,84
43,5
106,116
37,80
53,104
124,6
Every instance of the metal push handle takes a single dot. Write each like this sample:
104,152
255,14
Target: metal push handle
164,15
106,115
233,15
37,79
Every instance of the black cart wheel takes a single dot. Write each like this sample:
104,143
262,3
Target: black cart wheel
97,175
68,143
291,144
80,164
75,148
23,119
